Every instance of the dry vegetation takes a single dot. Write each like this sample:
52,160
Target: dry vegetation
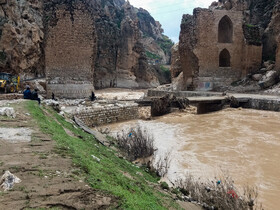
136,143
219,195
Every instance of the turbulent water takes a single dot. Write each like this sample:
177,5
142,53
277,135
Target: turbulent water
244,144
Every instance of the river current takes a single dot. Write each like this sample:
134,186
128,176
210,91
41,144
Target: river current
241,143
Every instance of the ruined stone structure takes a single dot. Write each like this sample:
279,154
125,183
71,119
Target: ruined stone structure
176,67
70,51
216,48
101,116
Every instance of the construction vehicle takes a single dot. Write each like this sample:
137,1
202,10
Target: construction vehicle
9,83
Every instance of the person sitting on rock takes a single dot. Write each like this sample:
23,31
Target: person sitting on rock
27,93
35,96
92,97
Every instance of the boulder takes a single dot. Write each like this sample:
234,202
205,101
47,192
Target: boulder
7,111
269,79
262,70
270,67
257,77
161,106
266,64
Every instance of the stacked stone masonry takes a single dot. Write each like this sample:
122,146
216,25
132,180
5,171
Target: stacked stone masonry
69,52
96,117
219,46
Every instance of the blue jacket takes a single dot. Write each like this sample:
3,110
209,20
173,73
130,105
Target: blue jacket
27,94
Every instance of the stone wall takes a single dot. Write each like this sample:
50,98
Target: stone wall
96,117
161,93
70,50
208,48
10,96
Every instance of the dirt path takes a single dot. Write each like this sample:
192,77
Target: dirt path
47,178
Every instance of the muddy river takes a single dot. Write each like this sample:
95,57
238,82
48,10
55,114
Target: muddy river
244,144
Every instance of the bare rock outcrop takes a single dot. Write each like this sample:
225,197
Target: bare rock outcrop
21,37
277,61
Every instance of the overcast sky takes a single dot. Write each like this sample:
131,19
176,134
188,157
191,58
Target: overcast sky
169,12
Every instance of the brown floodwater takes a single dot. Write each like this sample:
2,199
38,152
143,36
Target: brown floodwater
244,144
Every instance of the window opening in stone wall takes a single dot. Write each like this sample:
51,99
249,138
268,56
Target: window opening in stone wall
224,58
225,32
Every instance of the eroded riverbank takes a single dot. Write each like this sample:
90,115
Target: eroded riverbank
239,142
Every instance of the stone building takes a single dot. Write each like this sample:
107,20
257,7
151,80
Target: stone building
217,48
70,49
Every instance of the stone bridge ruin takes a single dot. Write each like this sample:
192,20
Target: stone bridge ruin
217,48
70,49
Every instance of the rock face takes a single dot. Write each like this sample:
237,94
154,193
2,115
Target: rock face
245,33
266,14
269,79
278,54
21,37
125,41
128,41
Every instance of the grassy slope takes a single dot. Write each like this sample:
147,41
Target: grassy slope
108,174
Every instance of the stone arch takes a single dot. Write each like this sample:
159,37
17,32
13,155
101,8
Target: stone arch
224,58
225,30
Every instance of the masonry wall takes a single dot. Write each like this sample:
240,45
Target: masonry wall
208,48
244,58
97,117
69,52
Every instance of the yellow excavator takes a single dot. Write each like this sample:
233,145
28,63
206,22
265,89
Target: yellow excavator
9,83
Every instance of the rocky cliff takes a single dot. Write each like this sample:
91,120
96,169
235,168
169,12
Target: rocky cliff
21,36
129,41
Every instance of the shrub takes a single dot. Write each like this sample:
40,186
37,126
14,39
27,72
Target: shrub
164,186
162,164
222,195
136,143
152,55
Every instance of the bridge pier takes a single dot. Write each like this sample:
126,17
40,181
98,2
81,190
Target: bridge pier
203,108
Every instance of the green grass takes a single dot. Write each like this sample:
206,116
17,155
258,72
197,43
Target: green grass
165,44
108,174
152,55
251,26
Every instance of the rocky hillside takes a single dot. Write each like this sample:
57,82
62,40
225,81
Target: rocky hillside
129,41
